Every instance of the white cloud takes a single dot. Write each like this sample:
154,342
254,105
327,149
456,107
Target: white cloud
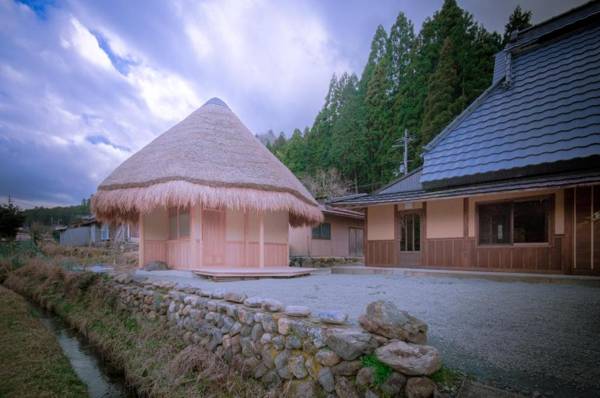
87,46
167,95
279,50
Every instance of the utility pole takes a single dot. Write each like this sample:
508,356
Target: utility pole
404,143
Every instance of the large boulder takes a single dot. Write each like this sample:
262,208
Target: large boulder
385,319
350,344
410,359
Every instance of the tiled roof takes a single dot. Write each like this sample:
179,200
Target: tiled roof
548,115
408,183
558,180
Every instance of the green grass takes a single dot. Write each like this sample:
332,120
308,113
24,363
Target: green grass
156,361
382,371
32,363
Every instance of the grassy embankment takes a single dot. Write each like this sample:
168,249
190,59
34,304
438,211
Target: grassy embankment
32,363
154,360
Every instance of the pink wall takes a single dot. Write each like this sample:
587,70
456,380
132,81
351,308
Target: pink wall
217,238
302,244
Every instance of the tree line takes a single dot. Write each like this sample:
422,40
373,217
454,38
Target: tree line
418,82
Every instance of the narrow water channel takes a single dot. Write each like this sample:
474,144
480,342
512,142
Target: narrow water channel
101,380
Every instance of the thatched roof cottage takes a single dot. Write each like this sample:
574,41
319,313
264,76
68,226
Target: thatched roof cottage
207,193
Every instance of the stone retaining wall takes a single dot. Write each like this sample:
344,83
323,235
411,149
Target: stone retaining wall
312,354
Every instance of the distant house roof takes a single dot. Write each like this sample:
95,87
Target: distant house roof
544,118
330,210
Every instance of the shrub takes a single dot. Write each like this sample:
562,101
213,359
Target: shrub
382,371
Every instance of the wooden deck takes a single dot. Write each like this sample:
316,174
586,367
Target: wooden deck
237,273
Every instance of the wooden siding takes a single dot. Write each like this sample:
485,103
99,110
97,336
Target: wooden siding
577,250
155,250
179,254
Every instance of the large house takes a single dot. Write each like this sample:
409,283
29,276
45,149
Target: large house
207,196
513,183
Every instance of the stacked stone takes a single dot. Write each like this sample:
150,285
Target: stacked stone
309,353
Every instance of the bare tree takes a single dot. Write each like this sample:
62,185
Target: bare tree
326,184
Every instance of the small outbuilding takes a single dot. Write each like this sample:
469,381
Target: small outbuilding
208,195
340,235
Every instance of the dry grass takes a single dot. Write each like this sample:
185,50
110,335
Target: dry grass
32,363
154,359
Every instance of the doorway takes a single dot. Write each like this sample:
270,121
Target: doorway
355,242
410,238
213,237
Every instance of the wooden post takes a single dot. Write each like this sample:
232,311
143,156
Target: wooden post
141,241
193,235
261,242
246,260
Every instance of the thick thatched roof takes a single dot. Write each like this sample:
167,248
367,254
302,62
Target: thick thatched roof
210,158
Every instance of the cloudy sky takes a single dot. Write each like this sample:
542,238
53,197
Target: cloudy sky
84,84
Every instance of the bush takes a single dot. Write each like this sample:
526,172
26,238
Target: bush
382,371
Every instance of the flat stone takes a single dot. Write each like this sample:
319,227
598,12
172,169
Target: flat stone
344,388
365,376
333,317
410,359
257,332
419,387
281,361
253,302
327,358
301,389
297,368
385,319
326,379
217,294
346,368
349,343
234,297
293,342
191,299
124,278
283,325
297,311
272,305
393,385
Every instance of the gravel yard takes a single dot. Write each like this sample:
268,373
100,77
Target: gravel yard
524,336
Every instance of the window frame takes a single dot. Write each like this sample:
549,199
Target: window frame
511,201
177,210
105,228
415,215
320,234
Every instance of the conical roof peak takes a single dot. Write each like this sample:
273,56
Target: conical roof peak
210,157
216,101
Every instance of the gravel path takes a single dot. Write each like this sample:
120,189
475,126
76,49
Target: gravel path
524,336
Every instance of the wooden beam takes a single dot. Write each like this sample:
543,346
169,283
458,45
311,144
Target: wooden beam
141,240
261,242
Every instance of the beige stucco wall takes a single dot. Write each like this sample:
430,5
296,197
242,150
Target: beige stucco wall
410,206
445,218
380,221
156,225
559,208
